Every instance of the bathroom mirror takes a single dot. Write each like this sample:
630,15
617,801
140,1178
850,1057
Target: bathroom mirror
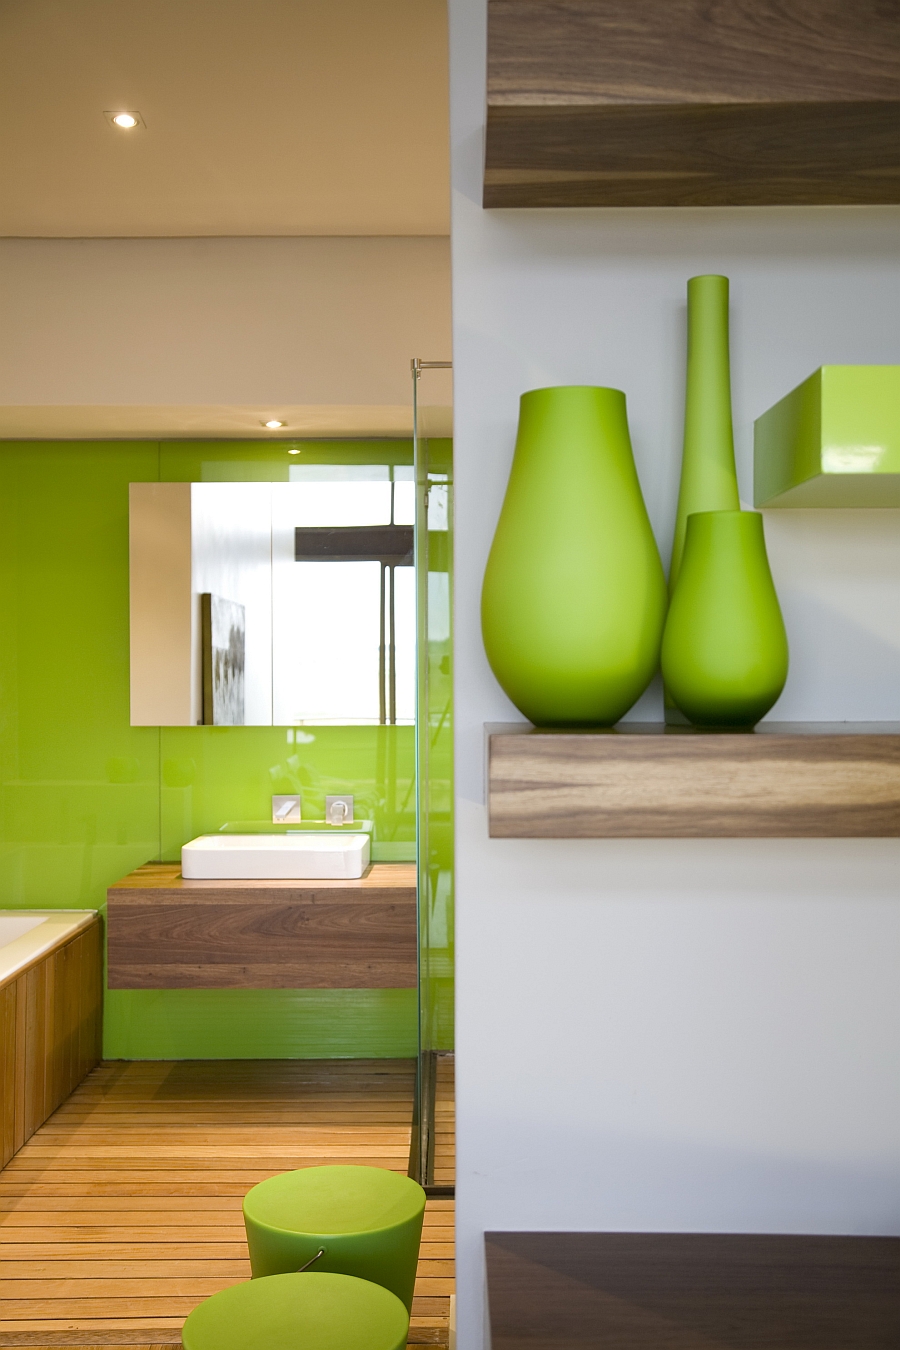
261,604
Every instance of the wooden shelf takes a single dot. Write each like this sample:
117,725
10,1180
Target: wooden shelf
168,933
647,781
686,103
645,1291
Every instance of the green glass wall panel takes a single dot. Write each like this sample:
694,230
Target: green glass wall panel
213,775
79,799
85,798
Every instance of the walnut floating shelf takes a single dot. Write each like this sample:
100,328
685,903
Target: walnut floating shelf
647,781
687,103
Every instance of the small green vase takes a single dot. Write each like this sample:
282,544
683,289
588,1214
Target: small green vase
725,651
574,595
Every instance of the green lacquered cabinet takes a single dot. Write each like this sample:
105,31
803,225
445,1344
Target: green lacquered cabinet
832,441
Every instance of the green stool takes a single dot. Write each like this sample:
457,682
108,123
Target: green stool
364,1221
299,1312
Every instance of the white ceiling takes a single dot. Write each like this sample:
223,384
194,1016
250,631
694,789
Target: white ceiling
263,117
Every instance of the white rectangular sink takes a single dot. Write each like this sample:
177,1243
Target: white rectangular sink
276,857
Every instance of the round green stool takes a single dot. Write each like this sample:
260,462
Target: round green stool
362,1221
299,1312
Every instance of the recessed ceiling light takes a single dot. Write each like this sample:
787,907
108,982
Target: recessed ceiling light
125,121
273,424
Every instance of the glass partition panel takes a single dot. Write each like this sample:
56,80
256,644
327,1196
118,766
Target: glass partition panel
433,453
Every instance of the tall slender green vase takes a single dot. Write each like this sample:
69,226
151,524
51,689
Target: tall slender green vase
708,476
725,651
574,595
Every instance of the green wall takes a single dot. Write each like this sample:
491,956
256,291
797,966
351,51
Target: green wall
85,798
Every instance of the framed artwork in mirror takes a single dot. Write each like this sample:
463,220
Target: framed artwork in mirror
222,639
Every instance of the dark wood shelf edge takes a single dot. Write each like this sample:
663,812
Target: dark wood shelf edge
751,1291
690,104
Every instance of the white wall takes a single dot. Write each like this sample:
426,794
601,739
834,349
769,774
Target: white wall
312,324
672,1034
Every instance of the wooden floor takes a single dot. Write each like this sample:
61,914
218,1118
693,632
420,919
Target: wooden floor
124,1211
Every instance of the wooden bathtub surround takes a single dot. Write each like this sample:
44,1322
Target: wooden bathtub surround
50,1033
167,933
683,1291
642,781
691,103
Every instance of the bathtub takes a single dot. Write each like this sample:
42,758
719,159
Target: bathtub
28,934
50,1014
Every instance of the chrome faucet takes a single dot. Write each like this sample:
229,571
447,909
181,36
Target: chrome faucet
339,810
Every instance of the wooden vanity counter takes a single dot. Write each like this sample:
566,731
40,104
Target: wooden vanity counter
168,933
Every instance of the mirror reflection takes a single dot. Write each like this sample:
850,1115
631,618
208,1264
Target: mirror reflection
257,603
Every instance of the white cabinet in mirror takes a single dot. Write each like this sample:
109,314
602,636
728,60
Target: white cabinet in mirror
261,604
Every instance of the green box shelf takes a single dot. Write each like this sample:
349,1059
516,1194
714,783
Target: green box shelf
832,441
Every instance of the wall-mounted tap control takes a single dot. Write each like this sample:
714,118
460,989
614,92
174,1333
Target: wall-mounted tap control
286,810
339,810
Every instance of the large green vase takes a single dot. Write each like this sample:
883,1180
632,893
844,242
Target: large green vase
725,651
574,595
708,476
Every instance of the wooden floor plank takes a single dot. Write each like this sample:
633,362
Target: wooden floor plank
124,1211
130,1251
128,1231
94,1268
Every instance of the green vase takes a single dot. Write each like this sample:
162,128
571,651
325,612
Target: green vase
725,651
574,595
708,476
